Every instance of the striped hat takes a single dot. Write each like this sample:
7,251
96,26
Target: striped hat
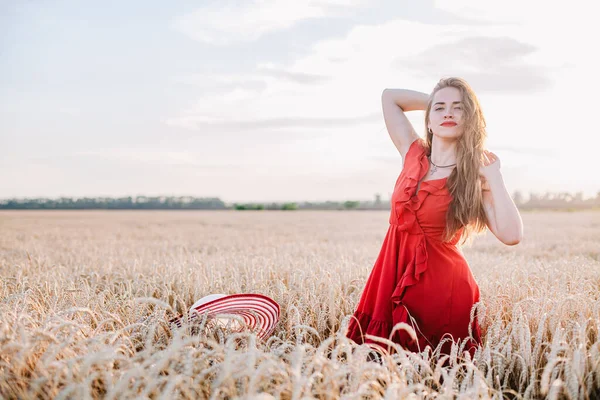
259,312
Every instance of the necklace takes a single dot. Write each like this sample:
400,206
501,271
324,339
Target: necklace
435,167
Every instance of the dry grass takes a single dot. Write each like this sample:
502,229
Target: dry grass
85,297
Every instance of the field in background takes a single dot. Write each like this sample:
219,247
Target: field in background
85,296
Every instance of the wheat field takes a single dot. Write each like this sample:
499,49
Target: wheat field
86,295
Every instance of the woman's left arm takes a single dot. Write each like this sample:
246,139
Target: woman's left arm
504,220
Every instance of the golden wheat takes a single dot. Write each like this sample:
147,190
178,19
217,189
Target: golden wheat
86,296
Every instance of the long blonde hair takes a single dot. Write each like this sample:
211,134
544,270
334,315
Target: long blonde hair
466,209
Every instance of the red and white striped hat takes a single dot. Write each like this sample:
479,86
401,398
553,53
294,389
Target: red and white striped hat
259,312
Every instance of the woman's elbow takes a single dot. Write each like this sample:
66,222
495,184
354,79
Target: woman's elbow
513,240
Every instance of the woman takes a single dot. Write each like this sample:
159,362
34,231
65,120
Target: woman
449,188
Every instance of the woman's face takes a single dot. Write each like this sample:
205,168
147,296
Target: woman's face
446,114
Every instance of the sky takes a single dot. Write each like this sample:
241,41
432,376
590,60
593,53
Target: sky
281,100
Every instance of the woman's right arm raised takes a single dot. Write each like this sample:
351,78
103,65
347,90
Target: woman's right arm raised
394,103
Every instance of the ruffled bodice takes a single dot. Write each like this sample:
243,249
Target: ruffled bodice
412,211
416,214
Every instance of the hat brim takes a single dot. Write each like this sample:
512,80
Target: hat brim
259,312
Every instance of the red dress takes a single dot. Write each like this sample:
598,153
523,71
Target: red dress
417,278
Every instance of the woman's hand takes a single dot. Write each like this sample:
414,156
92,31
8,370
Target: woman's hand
489,169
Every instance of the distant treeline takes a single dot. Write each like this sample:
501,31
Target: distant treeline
563,201
160,203
110,203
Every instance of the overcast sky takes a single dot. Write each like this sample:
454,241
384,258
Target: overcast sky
280,100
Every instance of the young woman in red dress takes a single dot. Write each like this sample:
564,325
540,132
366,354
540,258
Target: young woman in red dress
450,188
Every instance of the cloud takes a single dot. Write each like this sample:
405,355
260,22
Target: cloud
538,22
302,78
510,11
256,81
490,64
206,124
130,157
218,83
221,24
342,78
